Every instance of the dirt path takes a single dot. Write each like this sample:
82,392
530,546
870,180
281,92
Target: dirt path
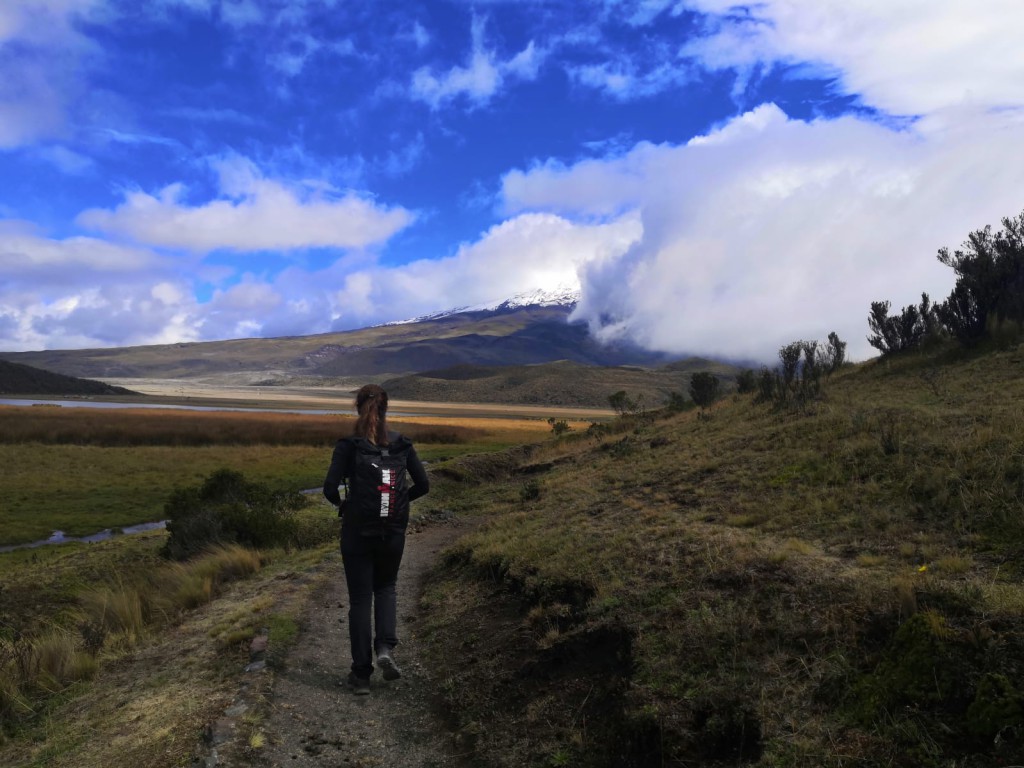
315,720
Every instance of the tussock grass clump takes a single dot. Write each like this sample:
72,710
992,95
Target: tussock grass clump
33,668
184,586
110,620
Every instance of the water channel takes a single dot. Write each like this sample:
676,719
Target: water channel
58,537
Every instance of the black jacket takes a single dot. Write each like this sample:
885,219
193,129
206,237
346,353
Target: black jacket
341,463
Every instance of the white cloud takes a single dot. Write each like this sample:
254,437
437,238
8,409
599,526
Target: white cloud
25,254
622,80
908,58
772,229
419,35
253,213
84,292
241,13
66,160
41,53
481,77
521,254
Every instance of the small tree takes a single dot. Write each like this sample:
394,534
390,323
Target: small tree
621,403
834,355
789,357
676,401
559,427
704,388
767,385
904,331
746,382
990,281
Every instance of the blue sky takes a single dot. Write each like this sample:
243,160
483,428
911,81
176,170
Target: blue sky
716,178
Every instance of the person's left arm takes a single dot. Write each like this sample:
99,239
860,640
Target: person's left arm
421,485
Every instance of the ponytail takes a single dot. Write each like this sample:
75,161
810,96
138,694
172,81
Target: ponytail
372,408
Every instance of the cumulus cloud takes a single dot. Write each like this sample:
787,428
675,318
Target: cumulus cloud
253,213
41,52
25,254
85,292
481,77
518,255
772,229
907,58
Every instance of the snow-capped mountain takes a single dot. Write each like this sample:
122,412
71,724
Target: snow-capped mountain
559,296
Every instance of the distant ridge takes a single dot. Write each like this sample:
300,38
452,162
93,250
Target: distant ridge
513,335
561,382
18,379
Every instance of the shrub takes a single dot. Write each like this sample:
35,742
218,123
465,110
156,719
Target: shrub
529,491
834,355
676,402
746,382
620,402
226,509
989,288
766,384
704,388
559,427
797,379
905,331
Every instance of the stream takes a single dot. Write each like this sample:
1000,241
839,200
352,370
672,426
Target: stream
58,537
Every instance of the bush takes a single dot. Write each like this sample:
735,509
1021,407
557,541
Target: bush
622,404
558,426
797,379
227,509
746,382
835,354
989,288
766,383
704,388
905,331
676,402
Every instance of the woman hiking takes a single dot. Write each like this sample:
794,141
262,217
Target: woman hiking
372,464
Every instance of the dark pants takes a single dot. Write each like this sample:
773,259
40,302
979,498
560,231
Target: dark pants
371,570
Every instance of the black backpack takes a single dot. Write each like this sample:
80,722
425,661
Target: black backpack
377,489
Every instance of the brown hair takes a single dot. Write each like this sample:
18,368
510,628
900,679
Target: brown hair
372,407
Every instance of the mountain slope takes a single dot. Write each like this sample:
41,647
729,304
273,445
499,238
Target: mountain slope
18,379
501,336
563,383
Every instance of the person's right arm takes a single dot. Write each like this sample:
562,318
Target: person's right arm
336,472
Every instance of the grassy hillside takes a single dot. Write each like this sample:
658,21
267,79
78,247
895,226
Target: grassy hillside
837,585
18,379
563,382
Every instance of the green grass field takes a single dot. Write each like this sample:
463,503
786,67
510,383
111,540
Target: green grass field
85,627
81,471
84,489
